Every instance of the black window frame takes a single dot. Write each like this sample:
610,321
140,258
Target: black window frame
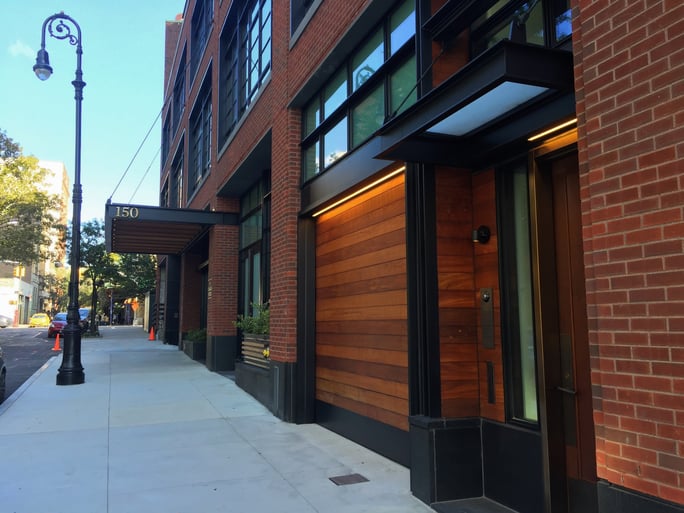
199,141
179,90
166,138
506,14
392,62
238,89
510,324
175,199
260,246
201,22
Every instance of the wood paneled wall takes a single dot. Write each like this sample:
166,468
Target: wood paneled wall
361,306
458,319
465,201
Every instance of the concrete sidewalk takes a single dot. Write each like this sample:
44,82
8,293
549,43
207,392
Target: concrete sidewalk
152,431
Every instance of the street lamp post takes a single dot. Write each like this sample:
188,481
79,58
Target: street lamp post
61,26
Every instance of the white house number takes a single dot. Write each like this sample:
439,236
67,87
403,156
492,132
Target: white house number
131,212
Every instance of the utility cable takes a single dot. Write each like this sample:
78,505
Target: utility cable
145,174
135,155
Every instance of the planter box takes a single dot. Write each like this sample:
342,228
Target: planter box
255,381
253,347
195,349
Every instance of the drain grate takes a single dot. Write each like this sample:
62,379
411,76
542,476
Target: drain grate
348,479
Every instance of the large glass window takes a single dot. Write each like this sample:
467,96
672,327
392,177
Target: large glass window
368,60
562,18
201,22
200,137
403,92
517,303
352,105
334,93
368,116
175,199
335,142
523,22
402,26
245,60
254,246
178,96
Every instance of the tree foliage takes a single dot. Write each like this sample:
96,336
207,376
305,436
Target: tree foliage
26,210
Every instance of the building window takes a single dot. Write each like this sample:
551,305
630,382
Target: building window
202,18
298,11
164,195
175,199
245,60
200,136
523,22
517,301
377,81
178,96
255,229
166,140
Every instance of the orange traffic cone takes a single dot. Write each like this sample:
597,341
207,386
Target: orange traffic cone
56,346
151,334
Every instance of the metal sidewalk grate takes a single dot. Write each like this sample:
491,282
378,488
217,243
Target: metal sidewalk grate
348,479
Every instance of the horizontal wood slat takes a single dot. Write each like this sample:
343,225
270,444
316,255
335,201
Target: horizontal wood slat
364,259
398,420
364,368
352,277
398,358
253,353
364,327
361,306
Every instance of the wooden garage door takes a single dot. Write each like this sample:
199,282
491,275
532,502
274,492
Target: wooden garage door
361,312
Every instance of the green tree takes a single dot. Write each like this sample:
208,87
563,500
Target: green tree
137,274
124,276
26,210
98,265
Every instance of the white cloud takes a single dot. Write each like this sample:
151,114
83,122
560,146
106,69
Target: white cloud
21,49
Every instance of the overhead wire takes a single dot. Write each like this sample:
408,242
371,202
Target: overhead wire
161,110
145,175
135,155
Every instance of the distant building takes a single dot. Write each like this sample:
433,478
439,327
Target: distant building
23,287
466,216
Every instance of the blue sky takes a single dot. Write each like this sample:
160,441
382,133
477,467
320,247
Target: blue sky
123,67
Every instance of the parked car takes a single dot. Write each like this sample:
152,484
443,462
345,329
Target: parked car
84,314
3,375
39,320
5,321
58,322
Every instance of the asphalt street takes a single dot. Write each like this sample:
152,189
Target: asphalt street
26,350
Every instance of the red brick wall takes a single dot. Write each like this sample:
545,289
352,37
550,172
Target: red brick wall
223,280
630,101
290,69
285,200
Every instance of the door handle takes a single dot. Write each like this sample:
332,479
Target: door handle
569,391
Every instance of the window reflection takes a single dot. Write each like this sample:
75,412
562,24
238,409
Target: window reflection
368,116
335,142
368,60
402,26
335,93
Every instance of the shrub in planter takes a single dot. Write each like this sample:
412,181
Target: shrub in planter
255,332
195,344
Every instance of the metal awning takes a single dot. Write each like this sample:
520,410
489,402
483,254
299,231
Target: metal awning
499,98
156,230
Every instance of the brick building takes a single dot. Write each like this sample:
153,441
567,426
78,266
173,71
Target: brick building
467,219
